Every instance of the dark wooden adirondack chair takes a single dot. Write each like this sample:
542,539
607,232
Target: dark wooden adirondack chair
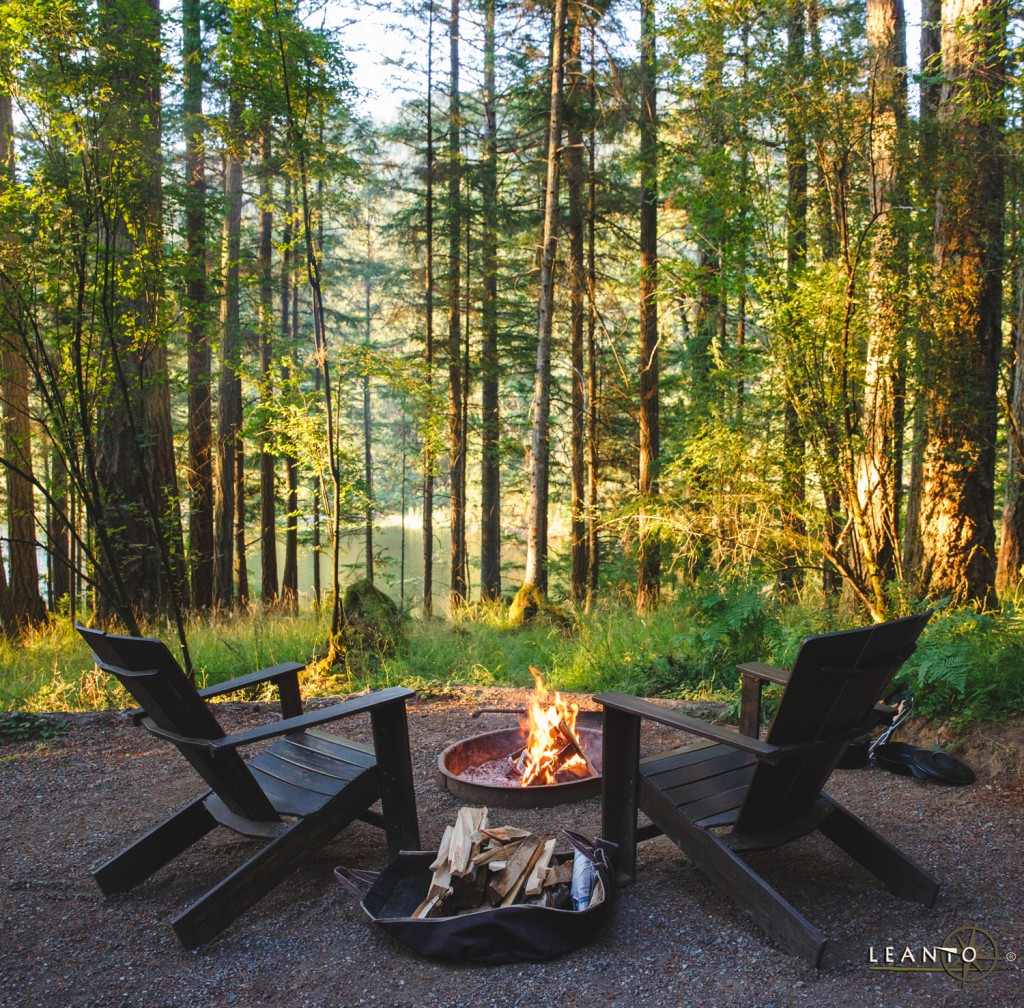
295,795
735,792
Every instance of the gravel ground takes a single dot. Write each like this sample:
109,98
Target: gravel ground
671,940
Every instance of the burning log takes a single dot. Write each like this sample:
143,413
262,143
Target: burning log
574,745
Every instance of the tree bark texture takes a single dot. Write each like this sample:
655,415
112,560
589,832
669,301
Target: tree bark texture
289,338
536,574
197,314
136,464
456,426
956,557
428,333
794,475
576,92
229,392
490,420
880,465
267,322
1011,544
649,565
23,604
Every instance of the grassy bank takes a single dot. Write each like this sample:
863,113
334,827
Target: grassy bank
969,665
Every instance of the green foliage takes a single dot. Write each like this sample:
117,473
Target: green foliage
22,726
969,665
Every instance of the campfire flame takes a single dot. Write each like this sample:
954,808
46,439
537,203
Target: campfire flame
549,749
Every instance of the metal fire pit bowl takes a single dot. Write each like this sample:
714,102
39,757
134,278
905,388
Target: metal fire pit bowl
479,749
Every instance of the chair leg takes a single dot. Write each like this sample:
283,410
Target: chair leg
394,766
620,788
773,914
886,862
151,852
249,883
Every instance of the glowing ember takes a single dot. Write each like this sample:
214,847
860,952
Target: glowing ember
550,728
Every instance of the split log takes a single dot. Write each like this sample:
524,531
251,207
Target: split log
470,822
493,855
505,833
558,874
442,850
518,864
535,881
517,887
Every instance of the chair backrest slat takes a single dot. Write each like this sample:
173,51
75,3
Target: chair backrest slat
153,677
835,682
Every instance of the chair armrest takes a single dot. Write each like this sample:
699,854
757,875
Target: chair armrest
767,673
693,726
285,676
357,705
753,676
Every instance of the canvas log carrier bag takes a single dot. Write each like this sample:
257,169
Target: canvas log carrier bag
503,934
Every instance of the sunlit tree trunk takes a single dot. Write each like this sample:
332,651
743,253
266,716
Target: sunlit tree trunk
268,460
368,406
956,519
649,565
880,468
289,338
229,417
1011,544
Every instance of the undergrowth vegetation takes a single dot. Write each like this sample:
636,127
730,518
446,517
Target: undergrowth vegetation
969,665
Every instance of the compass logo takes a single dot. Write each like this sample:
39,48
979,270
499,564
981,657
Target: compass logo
967,954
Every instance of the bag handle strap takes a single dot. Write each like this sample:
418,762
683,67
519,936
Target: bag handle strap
356,880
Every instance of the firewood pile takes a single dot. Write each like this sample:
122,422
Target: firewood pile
479,867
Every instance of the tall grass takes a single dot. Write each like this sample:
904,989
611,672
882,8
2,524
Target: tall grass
969,665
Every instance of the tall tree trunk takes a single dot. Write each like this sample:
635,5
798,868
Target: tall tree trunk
576,93
928,124
794,472
1011,544
879,473
24,604
428,335
60,560
649,566
490,426
593,540
136,452
229,418
536,574
956,520
456,433
367,407
200,424
268,467
289,339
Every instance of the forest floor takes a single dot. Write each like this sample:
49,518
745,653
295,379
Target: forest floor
672,938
